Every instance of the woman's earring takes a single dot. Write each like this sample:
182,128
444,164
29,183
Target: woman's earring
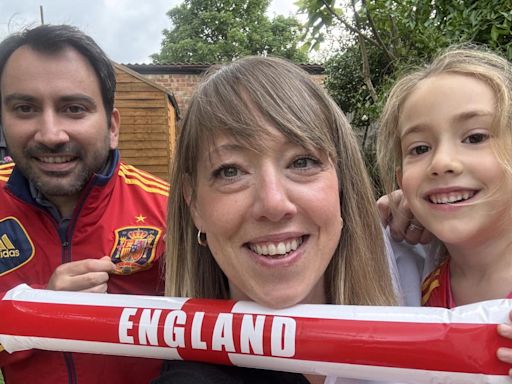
201,241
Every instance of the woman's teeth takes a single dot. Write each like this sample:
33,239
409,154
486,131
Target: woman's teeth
276,249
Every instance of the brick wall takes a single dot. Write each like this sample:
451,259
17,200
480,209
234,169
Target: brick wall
181,85
182,79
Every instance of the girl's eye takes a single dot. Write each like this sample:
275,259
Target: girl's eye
419,149
304,162
476,138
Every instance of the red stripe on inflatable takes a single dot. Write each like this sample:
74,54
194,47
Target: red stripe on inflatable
211,309
453,347
60,321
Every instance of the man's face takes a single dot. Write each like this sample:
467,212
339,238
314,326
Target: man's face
54,120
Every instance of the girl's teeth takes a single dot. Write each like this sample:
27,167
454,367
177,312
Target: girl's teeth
451,198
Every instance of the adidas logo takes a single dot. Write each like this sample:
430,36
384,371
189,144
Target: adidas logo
7,249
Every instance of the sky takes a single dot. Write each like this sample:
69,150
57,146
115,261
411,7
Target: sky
127,30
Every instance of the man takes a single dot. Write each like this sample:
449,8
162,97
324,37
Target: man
72,216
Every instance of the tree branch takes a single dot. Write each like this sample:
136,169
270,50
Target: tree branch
381,43
346,24
364,58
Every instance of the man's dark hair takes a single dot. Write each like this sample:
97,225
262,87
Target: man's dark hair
54,38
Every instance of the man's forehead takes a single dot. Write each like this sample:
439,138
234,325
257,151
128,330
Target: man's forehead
59,74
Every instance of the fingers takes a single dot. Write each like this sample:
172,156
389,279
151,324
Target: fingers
401,222
89,275
505,354
413,232
397,219
426,237
383,205
505,330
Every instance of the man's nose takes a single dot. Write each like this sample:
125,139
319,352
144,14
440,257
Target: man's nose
50,131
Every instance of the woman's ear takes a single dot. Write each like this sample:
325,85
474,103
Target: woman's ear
187,195
187,190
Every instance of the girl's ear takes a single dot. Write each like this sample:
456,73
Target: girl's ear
398,175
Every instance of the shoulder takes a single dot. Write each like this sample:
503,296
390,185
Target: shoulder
5,172
141,181
434,285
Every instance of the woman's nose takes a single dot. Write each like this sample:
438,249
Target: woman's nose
272,197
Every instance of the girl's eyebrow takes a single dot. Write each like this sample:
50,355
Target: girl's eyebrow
473,113
461,117
413,129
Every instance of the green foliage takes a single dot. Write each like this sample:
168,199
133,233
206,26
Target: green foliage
215,31
395,35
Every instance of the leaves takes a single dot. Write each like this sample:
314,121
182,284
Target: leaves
216,31
397,34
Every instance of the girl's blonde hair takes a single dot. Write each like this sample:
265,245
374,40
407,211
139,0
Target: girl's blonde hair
285,96
466,60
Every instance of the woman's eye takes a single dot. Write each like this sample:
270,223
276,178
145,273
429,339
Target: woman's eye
476,138
304,162
419,149
227,172
230,172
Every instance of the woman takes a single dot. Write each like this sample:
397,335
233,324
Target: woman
271,202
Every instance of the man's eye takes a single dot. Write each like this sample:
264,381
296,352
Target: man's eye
24,108
476,138
74,109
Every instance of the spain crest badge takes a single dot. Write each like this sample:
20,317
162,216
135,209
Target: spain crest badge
134,248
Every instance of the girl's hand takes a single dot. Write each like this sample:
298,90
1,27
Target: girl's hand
505,354
401,222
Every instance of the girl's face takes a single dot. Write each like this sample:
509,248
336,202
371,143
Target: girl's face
450,175
272,219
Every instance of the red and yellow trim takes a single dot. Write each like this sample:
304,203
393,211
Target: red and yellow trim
144,180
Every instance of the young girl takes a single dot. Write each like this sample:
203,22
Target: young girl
446,140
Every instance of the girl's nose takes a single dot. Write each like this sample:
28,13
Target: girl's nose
445,160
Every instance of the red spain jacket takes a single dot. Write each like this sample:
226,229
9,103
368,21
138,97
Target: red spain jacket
121,214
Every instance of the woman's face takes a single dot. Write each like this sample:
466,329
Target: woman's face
272,218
